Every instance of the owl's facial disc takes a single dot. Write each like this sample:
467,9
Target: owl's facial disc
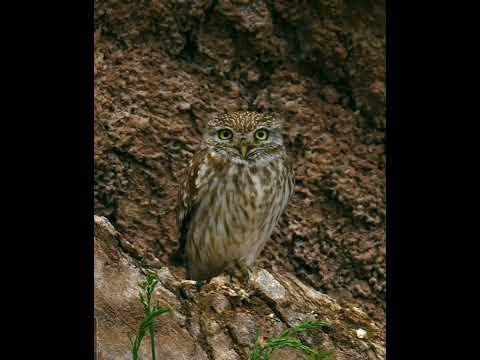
241,140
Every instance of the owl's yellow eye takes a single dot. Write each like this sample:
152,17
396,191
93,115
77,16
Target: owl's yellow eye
225,134
261,134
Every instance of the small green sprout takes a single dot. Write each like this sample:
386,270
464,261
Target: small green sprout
151,313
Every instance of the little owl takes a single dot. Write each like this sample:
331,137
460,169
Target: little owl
232,195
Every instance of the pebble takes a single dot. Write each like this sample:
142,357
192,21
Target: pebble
361,334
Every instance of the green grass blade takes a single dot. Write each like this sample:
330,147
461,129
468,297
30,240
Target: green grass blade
308,325
286,340
151,314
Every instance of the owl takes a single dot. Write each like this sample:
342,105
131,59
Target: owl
232,194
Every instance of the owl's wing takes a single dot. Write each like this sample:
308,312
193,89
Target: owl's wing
186,202
291,175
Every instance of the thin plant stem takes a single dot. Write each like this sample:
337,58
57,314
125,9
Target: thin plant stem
151,314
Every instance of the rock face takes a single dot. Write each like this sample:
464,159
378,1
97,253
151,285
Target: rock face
163,67
220,320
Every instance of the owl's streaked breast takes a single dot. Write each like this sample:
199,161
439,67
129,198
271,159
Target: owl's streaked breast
238,208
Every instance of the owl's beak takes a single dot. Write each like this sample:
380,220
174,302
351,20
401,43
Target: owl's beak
244,150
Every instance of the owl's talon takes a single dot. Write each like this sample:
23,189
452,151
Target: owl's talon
200,284
241,272
232,272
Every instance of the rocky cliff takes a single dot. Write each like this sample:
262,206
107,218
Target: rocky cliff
163,67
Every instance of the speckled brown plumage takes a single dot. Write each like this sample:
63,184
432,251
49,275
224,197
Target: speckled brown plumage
233,193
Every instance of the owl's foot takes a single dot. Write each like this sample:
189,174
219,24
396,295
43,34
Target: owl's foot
242,272
200,284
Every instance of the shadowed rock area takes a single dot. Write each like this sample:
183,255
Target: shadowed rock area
162,68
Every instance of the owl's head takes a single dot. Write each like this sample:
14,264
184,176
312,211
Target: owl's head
245,135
